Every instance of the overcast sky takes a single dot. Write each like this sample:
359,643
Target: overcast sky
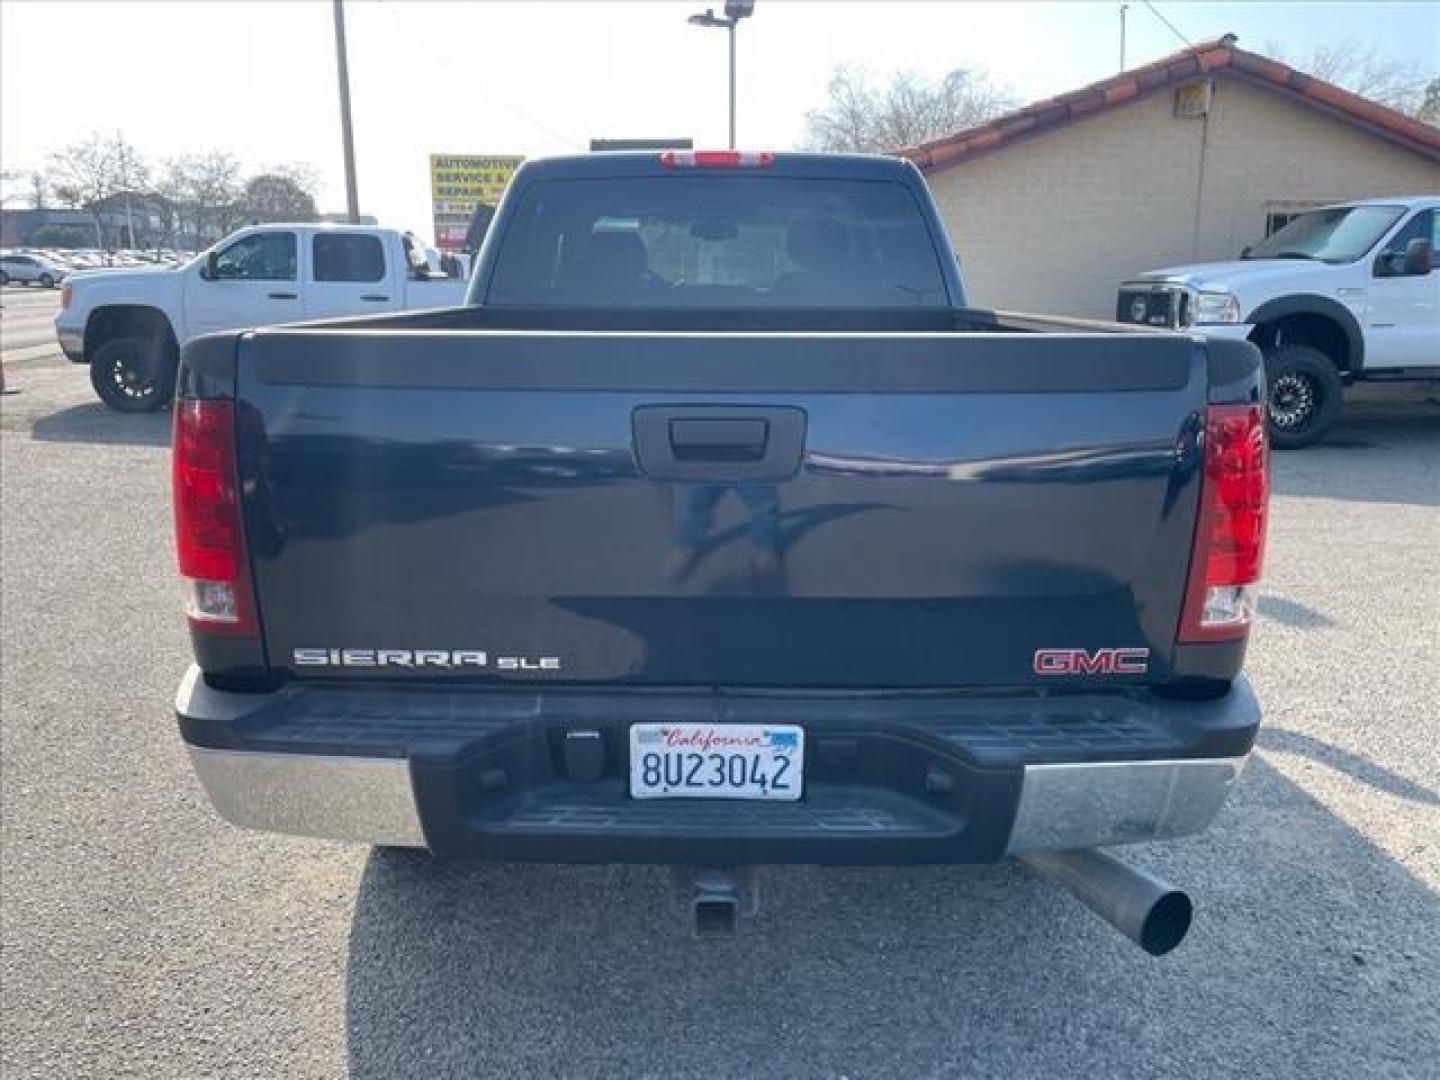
536,78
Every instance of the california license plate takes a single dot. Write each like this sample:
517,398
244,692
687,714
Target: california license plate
717,761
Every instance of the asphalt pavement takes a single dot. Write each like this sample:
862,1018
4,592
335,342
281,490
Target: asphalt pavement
144,937
27,320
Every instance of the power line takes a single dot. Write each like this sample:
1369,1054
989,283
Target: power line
1156,12
487,91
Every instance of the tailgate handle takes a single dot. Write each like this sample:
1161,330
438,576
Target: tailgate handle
720,439
718,442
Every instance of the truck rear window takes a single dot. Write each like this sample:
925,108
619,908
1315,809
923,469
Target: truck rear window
717,241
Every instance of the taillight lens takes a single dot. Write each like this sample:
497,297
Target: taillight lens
1230,532
65,294
716,159
209,536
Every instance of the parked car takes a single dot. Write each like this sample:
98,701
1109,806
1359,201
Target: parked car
1342,294
128,324
718,530
31,270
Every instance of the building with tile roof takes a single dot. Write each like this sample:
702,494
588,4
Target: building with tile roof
1188,159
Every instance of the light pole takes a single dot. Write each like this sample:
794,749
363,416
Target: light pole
342,67
735,10
1123,8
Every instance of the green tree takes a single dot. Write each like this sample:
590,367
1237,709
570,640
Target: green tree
281,194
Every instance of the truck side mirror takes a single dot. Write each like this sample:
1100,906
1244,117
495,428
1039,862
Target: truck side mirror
1419,257
212,267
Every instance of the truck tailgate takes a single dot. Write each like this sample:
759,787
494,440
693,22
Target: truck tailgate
737,509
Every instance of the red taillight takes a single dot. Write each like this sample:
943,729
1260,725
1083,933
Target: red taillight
1230,532
209,536
715,159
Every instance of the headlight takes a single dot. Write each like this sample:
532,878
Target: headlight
1216,307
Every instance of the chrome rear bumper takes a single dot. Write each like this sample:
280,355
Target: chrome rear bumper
1122,802
372,799
498,791
336,798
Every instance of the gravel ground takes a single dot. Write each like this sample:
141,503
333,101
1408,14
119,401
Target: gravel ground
144,937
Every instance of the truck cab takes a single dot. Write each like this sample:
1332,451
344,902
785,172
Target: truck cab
1341,294
128,325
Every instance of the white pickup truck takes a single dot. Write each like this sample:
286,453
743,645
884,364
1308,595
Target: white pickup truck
1341,294
128,325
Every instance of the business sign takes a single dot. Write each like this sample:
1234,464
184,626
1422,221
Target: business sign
602,145
461,182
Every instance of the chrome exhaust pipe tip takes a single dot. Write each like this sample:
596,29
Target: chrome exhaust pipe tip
1168,923
1150,912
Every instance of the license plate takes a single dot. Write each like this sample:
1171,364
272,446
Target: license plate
716,761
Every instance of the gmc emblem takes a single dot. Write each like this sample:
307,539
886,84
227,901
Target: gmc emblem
1085,662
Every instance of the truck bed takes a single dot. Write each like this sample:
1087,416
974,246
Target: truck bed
952,500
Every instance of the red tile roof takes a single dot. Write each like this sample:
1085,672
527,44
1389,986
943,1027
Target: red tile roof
1208,57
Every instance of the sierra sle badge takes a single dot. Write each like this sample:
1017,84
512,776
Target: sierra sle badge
445,659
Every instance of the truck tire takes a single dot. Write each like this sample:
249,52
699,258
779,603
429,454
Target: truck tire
47,281
4,278
134,374
1304,395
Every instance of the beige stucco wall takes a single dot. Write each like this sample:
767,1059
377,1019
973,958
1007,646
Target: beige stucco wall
1053,223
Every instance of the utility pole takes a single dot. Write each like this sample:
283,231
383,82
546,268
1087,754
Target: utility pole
1123,8
342,67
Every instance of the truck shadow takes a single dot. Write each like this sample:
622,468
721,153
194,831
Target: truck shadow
1307,958
1377,453
92,422
1292,613
1353,765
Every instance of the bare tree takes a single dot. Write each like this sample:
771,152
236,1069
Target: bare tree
1429,110
206,193
860,115
301,173
11,186
176,183
39,194
1400,84
98,175
85,175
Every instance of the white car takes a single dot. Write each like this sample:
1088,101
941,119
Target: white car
1341,294
31,270
128,325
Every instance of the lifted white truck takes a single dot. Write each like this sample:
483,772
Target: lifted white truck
1341,294
128,325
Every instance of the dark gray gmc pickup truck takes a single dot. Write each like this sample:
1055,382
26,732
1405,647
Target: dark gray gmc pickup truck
717,530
